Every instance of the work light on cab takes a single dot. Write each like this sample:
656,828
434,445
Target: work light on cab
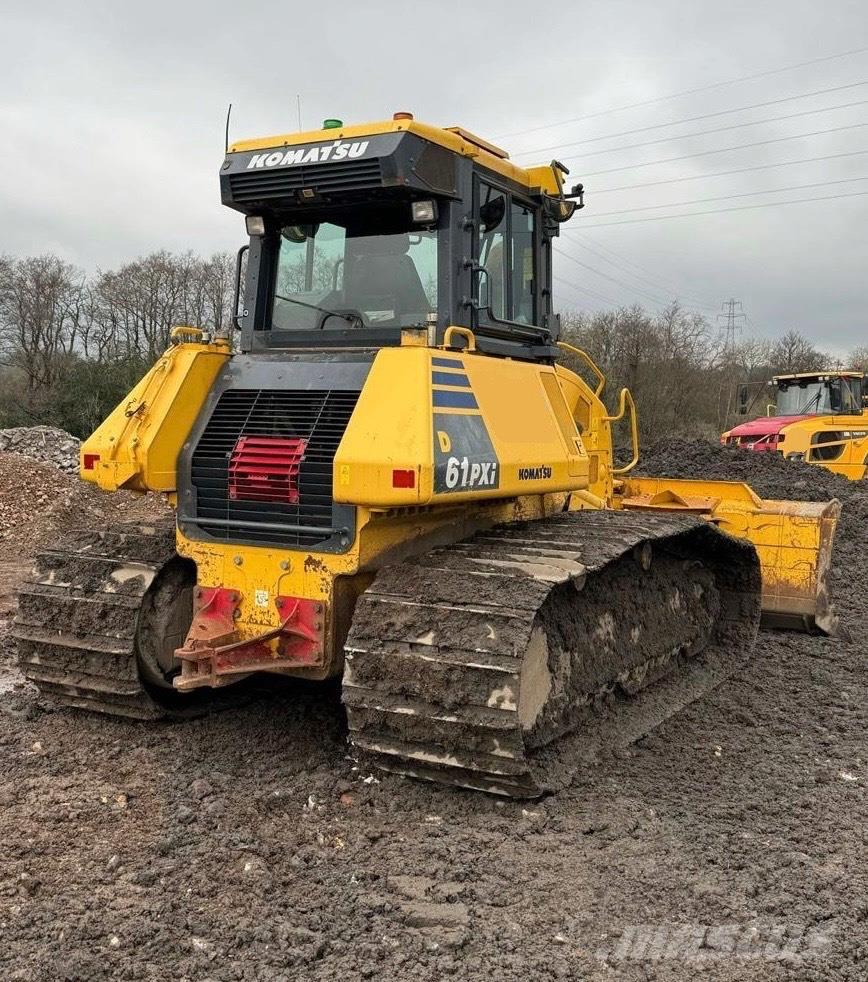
424,212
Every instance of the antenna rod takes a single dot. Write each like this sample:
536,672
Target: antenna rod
298,107
228,115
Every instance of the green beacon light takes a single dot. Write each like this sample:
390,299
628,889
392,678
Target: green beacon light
332,124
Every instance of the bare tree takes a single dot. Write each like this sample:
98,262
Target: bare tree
795,353
41,312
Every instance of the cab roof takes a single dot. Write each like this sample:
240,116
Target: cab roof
546,177
818,376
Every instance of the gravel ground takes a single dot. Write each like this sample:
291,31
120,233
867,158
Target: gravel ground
728,845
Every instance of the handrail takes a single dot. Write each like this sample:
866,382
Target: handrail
464,332
589,361
626,398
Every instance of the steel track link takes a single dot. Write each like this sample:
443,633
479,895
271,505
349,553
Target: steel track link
441,649
78,614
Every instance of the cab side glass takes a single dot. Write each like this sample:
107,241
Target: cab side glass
522,264
492,283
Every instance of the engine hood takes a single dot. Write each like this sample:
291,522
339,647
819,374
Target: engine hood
765,425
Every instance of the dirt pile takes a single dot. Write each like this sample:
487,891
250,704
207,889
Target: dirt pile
44,443
38,502
771,475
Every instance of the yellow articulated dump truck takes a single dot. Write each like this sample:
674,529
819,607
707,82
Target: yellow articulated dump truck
391,476
817,417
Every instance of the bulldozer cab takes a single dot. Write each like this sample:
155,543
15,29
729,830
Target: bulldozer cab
358,234
812,394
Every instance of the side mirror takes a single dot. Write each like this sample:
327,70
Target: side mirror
299,233
559,209
492,212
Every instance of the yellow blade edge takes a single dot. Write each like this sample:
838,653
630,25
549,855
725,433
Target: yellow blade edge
792,538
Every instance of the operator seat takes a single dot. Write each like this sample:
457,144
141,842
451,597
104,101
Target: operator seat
382,277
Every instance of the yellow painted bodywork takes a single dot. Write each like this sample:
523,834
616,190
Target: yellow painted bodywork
261,574
137,446
793,539
545,421
545,178
801,437
394,427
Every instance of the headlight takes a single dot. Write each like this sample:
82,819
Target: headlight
795,456
255,225
424,212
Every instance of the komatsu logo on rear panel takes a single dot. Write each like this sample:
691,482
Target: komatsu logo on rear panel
309,155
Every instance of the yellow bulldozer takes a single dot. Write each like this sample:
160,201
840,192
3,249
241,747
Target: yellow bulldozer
398,474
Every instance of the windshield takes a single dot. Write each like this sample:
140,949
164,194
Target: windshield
840,395
378,276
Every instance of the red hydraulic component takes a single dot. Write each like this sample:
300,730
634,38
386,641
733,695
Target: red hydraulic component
265,468
214,653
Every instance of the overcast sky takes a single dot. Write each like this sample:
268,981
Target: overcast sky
112,118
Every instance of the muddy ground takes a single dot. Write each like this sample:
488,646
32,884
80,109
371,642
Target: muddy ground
728,845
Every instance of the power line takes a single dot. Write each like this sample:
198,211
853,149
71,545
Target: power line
694,119
606,276
655,284
727,173
683,92
687,136
720,211
585,289
741,146
724,197
593,293
639,266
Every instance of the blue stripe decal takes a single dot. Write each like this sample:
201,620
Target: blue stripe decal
454,400
445,378
446,363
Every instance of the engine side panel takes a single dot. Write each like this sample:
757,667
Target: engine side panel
435,426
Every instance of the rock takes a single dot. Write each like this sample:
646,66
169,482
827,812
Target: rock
200,788
44,443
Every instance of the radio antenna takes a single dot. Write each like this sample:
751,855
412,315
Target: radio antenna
298,107
228,115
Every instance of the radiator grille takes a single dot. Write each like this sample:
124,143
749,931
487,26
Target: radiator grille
261,185
317,417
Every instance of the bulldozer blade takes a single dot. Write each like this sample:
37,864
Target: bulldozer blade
792,538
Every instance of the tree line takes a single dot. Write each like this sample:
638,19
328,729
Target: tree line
683,375
73,344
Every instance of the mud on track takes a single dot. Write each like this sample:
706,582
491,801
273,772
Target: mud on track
244,845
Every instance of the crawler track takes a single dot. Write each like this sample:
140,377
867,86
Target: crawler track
78,616
469,665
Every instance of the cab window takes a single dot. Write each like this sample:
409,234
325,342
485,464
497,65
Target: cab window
492,249
376,267
521,266
507,257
